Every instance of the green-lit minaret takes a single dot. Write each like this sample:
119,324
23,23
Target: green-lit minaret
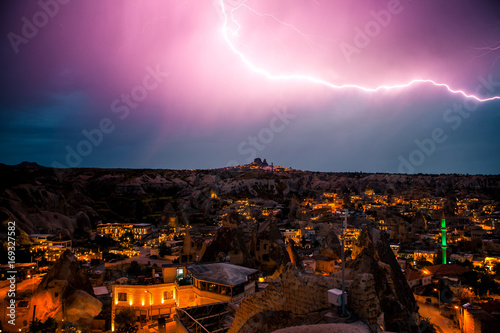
443,238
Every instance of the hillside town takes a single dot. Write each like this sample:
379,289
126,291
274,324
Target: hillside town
207,265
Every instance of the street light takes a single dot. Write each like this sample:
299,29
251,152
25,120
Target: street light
150,303
439,296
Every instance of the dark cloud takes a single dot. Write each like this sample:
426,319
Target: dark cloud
64,82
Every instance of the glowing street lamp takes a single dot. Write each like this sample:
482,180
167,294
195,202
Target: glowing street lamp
439,296
150,303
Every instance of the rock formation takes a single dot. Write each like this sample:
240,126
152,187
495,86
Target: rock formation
228,240
373,255
376,288
331,246
47,200
268,248
294,256
66,293
262,248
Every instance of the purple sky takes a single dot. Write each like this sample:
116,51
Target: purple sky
155,84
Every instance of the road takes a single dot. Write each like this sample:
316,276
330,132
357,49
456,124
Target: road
443,324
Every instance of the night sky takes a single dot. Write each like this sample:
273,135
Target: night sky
189,84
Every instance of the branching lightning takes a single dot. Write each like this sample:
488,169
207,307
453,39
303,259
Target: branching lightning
484,51
226,31
488,49
307,37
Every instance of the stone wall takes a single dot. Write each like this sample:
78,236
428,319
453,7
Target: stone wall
302,294
377,290
363,298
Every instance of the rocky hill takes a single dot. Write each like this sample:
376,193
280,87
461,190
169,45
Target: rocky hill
73,201
65,293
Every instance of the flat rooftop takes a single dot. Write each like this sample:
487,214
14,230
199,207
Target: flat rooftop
221,273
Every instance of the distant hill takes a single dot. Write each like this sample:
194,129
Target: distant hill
73,201
29,165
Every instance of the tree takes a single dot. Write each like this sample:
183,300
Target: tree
466,263
125,321
164,250
480,282
36,326
108,274
426,326
103,242
48,326
466,295
423,263
487,283
134,268
127,239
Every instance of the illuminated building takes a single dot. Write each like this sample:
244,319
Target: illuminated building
324,264
116,230
124,252
351,236
295,234
417,277
429,256
85,254
184,286
52,248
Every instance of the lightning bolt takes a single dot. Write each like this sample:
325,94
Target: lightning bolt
491,48
307,37
226,31
483,51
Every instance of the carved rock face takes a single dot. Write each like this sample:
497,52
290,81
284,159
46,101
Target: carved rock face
373,255
66,293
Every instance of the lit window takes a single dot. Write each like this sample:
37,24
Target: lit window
122,297
168,295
